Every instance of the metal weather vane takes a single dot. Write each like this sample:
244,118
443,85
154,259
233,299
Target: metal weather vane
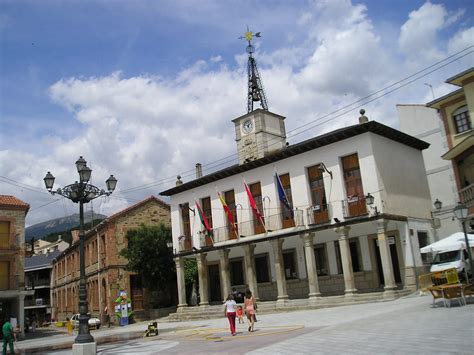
255,85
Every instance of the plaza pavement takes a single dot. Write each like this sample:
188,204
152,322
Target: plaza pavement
407,325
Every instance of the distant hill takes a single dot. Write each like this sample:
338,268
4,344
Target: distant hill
56,225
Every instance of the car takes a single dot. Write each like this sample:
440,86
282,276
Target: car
94,323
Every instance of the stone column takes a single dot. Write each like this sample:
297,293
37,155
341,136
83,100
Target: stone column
385,256
250,269
349,282
225,274
21,313
311,269
279,270
180,283
203,282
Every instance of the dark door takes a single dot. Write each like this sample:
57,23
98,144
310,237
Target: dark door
214,284
395,265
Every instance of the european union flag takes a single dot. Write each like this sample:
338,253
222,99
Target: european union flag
282,195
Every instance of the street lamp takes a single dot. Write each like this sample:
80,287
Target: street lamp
438,204
461,212
369,200
81,192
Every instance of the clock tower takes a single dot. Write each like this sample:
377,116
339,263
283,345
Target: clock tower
259,133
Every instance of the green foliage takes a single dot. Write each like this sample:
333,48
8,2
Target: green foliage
190,270
149,256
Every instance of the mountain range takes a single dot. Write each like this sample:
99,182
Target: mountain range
61,224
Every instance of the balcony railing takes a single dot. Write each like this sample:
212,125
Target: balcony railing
466,195
37,302
354,206
318,214
32,284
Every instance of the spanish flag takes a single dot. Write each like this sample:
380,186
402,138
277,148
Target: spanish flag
228,213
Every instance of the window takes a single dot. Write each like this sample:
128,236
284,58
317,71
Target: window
321,259
355,255
461,119
289,261
229,198
185,243
256,192
318,195
338,257
423,241
4,275
207,209
4,234
261,268
286,214
237,272
353,181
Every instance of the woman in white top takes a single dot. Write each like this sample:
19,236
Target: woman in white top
229,312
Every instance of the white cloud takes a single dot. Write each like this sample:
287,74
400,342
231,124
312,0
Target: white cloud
148,128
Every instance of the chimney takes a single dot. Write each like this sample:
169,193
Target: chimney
178,180
363,118
75,236
198,170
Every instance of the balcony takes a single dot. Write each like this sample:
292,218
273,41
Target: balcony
38,302
318,214
466,195
354,206
38,283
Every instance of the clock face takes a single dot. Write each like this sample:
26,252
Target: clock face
247,126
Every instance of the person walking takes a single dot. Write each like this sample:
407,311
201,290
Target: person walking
8,337
229,312
249,307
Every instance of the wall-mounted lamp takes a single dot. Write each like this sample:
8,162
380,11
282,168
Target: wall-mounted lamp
323,168
369,200
438,204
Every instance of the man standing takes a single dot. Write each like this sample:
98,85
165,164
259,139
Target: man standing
8,337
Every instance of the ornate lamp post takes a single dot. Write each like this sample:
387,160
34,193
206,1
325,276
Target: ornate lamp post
81,192
461,212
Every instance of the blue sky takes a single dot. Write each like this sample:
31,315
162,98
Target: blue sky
120,81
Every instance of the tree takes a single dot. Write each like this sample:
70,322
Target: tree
149,256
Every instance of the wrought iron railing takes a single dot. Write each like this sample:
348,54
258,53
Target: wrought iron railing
185,242
354,206
466,195
37,302
32,284
318,214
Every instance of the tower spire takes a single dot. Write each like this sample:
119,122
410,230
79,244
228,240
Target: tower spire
254,81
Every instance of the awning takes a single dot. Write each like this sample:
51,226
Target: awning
455,241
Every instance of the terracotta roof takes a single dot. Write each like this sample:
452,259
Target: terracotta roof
11,202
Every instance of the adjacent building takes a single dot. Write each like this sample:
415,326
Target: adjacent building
12,258
456,111
38,282
338,214
105,269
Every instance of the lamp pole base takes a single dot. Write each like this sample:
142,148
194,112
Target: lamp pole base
84,348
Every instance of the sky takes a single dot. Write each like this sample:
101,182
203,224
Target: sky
146,89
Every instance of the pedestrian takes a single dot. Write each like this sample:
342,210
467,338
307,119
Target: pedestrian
8,337
249,306
107,316
240,314
69,325
254,305
229,312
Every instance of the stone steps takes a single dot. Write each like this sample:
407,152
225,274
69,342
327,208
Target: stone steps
217,311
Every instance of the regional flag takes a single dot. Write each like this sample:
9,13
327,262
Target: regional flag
282,195
253,204
203,218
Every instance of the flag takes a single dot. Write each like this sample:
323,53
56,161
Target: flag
203,218
228,212
282,195
253,204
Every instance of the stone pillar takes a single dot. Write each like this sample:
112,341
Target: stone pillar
203,282
279,270
225,274
349,282
385,256
180,282
21,313
250,269
311,268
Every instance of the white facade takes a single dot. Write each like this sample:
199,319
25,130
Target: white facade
424,123
311,258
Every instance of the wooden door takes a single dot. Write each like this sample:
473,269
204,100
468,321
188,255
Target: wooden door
214,283
355,193
256,191
229,198
207,211
137,292
318,195
287,217
4,235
